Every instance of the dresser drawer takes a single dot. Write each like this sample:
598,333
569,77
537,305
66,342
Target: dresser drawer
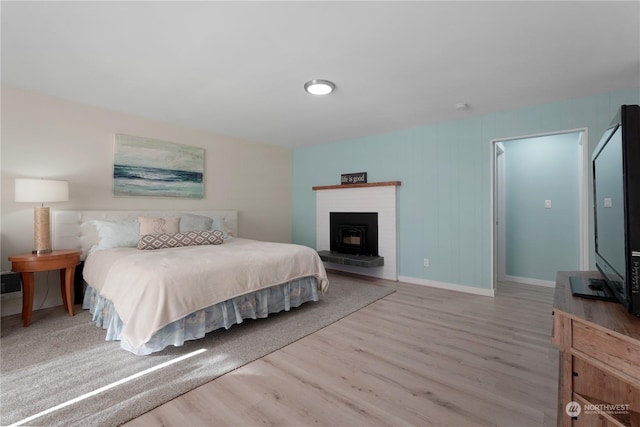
589,381
594,419
619,354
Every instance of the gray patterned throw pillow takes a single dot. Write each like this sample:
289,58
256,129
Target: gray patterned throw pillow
191,238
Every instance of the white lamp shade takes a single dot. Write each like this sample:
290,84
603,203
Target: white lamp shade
41,190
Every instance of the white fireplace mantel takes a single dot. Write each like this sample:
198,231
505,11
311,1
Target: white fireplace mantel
370,197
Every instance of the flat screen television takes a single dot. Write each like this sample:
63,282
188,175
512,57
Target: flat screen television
616,199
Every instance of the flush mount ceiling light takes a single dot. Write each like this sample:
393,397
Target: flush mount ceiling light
319,87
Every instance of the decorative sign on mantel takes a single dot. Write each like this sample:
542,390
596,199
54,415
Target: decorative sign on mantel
362,184
353,178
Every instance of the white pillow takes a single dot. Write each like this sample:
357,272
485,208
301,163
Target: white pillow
191,222
159,225
117,234
220,223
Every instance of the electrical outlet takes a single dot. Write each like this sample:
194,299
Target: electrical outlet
426,262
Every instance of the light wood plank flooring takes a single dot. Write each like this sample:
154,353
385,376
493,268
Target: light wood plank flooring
419,357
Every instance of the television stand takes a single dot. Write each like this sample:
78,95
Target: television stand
591,287
599,347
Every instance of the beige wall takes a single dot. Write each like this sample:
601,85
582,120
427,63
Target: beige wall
47,137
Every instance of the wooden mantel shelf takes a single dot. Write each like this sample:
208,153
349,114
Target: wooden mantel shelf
364,184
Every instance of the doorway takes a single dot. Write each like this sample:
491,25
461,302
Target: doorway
539,206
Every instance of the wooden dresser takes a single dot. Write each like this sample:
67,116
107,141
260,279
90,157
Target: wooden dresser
599,346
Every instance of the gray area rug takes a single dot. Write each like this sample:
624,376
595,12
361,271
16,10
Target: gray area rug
59,358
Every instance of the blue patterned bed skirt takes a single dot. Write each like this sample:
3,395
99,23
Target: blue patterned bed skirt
256,305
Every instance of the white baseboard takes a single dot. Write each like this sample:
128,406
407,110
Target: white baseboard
530,281
448,286
11,295
11,303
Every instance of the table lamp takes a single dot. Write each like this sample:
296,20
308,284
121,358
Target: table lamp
41,191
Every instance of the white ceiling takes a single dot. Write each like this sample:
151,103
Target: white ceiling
238,68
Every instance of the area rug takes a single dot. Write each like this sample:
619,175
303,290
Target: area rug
59,358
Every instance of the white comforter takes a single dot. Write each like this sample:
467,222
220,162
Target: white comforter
152,288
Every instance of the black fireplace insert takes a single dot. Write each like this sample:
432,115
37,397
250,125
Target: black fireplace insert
354,233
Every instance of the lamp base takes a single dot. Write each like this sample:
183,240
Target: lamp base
41,231
41,251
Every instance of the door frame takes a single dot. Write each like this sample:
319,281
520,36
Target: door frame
499,212
497,190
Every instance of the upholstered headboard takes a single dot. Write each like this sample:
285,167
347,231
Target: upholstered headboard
71,228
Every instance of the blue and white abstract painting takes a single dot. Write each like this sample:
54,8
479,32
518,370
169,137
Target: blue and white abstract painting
152,168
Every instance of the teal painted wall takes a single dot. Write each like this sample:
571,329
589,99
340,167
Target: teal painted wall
540,241
444,202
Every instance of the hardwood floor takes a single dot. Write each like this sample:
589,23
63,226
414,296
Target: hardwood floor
421,356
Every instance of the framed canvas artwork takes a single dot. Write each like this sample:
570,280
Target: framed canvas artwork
145,167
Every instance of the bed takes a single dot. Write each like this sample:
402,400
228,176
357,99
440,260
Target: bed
159,278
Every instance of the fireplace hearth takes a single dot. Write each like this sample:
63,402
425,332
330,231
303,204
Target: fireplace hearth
354,233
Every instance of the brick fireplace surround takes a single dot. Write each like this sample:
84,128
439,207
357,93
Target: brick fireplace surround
380,197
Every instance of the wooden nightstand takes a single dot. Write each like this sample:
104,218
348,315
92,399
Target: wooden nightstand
64,260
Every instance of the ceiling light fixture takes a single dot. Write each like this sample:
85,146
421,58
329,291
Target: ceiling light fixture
319,87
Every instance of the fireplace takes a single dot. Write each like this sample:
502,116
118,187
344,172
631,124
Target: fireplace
372,197
354,232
